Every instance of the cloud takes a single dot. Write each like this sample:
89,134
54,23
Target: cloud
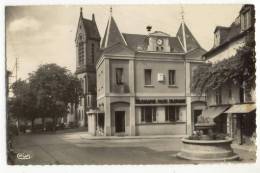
24,24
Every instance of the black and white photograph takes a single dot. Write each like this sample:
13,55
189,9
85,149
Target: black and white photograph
130,84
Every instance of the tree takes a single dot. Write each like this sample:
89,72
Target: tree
22,105
238,69
54,87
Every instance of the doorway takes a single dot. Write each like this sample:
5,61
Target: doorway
120,121
196,114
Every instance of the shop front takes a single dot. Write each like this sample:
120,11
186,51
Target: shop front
160,116
242,123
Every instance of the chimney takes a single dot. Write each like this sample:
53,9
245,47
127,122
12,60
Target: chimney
149,28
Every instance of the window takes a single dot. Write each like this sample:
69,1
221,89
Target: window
229,92
148,114
171,77
93,53
246,20
171,113
218,96
147,77
119,76
81,53
82,84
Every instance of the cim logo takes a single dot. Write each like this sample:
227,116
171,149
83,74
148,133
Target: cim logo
23,156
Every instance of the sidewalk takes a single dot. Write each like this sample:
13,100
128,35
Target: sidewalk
249,148
85,135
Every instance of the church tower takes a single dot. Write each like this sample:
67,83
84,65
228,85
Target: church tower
87,53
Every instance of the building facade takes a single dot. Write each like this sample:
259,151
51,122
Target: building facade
144,83
233,104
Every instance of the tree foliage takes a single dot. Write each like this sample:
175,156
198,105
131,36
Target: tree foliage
237,69
47,93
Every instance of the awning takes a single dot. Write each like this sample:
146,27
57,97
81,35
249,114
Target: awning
215,111
241,108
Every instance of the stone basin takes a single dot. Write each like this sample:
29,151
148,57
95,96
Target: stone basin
210,150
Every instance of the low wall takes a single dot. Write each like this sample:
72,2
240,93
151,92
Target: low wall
161,129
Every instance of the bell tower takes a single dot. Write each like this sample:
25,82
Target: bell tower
87,43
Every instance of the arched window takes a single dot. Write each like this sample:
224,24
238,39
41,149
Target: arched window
81,53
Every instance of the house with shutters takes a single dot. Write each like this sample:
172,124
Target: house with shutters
144,83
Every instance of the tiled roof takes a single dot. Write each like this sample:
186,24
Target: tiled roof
226,35
91,29
191,42
112,35
139,42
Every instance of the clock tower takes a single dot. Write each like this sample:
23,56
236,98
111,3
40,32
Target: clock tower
158,42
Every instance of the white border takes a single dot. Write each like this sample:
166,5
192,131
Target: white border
212,168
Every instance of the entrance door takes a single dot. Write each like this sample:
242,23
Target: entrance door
120,121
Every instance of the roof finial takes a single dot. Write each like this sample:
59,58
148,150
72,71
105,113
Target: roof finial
111,10
182,13
81,14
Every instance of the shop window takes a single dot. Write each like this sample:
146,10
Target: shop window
148,77
119,76
148,114
171,77
172,113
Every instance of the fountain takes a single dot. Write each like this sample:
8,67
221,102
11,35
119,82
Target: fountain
204,144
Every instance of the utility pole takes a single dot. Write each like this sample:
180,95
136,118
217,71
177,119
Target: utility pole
16,69
16,78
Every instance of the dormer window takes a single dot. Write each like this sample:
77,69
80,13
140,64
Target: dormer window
246,20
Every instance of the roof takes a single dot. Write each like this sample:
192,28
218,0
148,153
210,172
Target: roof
91,28
191,42
227,36
139,42
230,33
112,35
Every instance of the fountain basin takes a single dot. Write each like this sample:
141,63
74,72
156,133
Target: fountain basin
210,150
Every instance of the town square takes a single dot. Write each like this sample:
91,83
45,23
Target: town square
129,84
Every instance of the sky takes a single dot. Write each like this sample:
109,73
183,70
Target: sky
46,34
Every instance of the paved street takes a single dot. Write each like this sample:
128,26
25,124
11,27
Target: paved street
76,148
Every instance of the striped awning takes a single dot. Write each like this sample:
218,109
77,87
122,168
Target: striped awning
241,108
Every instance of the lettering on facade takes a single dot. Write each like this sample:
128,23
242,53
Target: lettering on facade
159,101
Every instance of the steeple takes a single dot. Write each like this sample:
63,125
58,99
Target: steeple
183,30
112,34
185,37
